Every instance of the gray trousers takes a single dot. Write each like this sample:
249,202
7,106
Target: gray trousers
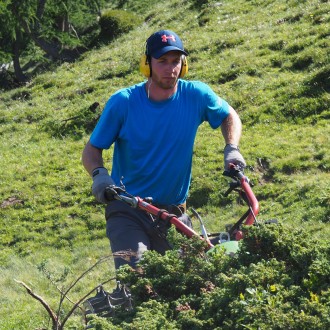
131,232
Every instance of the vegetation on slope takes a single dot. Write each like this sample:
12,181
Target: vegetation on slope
278,280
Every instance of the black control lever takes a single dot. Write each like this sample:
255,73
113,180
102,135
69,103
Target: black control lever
232,186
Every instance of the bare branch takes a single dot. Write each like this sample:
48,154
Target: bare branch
83,298
119,254
57,325
49,310
65,293
85,273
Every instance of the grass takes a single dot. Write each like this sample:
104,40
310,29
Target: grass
269,59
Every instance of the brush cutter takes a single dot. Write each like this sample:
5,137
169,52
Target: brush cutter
106,304
233,233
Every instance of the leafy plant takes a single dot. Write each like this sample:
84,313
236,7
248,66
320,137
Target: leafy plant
116,22
279,279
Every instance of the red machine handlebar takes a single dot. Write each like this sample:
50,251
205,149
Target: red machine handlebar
253,202
242,182
143,205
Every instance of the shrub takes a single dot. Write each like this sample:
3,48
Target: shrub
279,279
76,125
113,23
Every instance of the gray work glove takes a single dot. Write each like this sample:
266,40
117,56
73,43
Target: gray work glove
232,155
101,180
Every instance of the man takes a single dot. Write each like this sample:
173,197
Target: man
153,126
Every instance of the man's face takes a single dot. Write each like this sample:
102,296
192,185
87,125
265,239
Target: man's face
166,69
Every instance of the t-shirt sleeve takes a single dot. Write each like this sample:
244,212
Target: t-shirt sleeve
108,127
216,109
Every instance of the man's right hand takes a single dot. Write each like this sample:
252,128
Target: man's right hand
112,191
101,180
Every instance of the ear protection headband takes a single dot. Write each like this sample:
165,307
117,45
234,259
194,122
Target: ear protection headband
145,66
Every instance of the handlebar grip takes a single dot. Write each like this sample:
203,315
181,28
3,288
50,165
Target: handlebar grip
112,192
109,193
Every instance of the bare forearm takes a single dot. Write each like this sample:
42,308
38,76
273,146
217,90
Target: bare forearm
232,128
91,158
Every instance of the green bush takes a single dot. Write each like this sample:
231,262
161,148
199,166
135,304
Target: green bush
75,125
113,23
278,280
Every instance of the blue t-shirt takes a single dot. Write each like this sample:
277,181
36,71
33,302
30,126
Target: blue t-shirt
154,140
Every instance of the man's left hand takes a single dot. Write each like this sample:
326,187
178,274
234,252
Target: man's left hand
232,155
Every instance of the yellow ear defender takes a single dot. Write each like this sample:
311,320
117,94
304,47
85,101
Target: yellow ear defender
184,67
145,66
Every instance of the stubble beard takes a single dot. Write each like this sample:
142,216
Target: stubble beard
166,84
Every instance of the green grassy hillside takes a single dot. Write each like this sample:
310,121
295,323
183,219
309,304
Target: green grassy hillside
268,59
